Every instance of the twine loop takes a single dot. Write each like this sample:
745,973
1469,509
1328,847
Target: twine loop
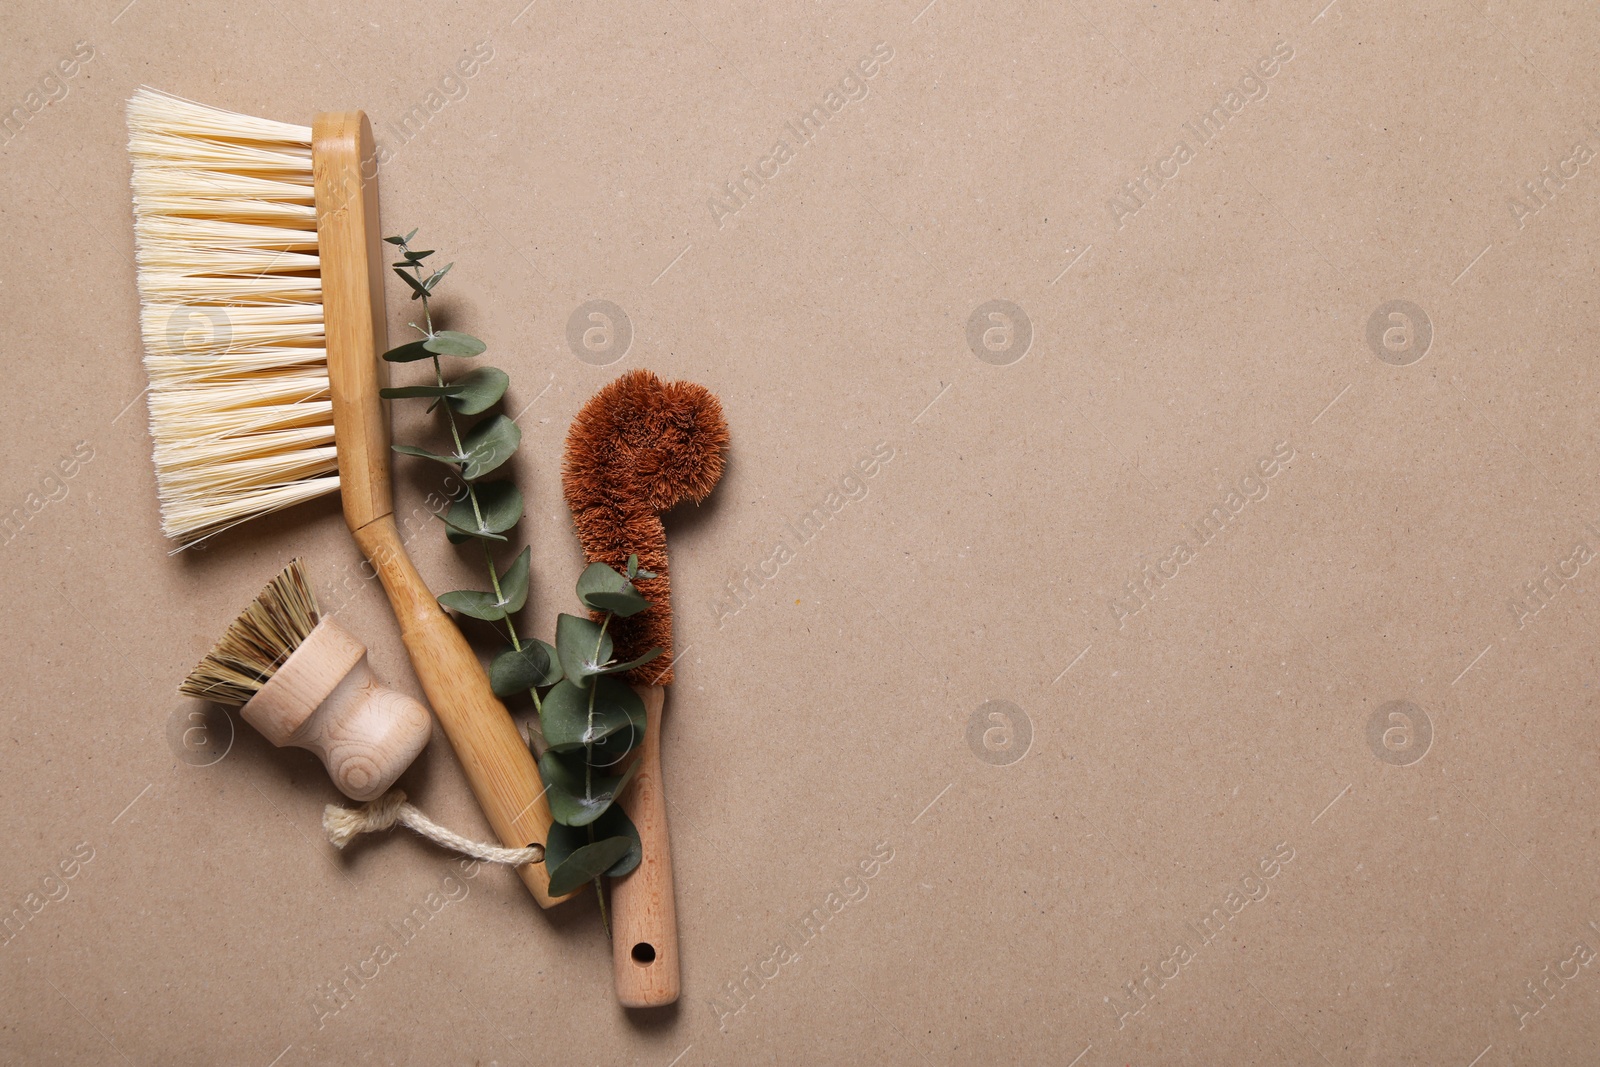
343,825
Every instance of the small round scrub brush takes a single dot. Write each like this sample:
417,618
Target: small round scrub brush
638,447
302,680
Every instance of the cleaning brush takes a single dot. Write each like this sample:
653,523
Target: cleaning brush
302,680
225,221
261,274
637,448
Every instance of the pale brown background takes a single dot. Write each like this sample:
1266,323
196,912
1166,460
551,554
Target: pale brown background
832,713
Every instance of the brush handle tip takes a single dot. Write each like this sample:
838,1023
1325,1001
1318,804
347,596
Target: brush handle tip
644,915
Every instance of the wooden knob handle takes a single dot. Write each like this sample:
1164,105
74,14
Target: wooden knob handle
325,698
644,917
366,733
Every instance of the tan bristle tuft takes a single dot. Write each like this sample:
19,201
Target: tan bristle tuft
258,641
226,227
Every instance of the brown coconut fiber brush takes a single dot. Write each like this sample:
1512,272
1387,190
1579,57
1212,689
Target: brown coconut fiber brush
261,276
302,680
639,447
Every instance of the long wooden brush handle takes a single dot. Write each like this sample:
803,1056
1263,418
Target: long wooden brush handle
644,919
497,762
498,765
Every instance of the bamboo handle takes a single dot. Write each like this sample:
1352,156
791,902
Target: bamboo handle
497,762
344,170
493,754
644,917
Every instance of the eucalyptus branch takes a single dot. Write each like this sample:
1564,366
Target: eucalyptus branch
588,719
468,462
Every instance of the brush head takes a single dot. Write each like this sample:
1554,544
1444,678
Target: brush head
230,285
637,448
258,642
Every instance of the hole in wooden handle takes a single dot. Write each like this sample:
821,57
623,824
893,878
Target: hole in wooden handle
644,953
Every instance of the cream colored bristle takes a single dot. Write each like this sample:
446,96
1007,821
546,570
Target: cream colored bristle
226,227
258,641
171,286
160,179
282,357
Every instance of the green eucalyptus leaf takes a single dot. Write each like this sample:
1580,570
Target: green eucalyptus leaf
405,392
615,823
570,803
397,240
626,777
611,753
452,343
488,445
633,565
435,277
471,602
407,238
409,352
568,724
624,604
561,842
501,505
517,670
618,668
413,450
585,863
514,582
487,606
480,390
417,288
582,648
552,671
461,534
602,588
416,256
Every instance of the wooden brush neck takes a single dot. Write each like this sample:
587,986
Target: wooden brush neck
303,682
344,167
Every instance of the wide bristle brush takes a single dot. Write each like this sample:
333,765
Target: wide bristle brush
225,220
261,269
302,680
639,447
